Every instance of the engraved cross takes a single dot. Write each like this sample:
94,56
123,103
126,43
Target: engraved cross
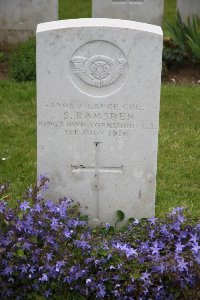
97,169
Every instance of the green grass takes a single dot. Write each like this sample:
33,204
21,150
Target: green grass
17,135
169,12
179,154
73,9
179,143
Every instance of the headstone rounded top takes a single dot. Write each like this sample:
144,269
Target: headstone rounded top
98,22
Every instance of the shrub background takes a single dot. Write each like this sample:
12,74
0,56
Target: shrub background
22,62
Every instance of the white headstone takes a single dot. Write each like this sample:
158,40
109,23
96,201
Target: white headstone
188,8
98,94
146,11
19,19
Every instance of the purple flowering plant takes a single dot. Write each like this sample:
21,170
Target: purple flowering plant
47,250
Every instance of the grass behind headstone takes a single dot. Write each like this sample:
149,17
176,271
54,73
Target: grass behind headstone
73,9
179,143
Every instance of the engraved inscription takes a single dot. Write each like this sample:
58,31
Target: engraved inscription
98,68
113,120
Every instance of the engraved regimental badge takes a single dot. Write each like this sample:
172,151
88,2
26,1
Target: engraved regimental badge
98,68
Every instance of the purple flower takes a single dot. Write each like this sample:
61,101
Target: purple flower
155,249
59,265
26,246
8,271
82,244
49,257
101,292
44,277
182,264
145,276
152,220
129,251
179,247
177,209
32,270
195,247
45,187
163,229
24,206
107,225
181,218
24,269
67,233
47,293
39,197
38,208
193,238
151,234
2,207
130,288
161,268
42,177
145,245
54,224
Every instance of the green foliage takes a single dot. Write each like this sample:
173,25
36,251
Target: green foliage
72,9
172,54
17,135
2,57
193,36
169,13
184,40
120,215
178,33
22,61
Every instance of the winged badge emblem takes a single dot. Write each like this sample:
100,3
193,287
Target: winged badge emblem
99,70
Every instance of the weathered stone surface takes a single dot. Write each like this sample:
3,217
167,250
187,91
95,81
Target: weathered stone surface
98,93
19,19
146,11
188,8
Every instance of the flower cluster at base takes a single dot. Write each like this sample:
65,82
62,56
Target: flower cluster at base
47,250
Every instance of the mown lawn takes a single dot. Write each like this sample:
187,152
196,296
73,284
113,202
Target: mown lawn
178,180
72,9
17,135
179,143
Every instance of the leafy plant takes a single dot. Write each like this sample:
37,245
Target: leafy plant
184,42
2,57
193,36
177,33
22,61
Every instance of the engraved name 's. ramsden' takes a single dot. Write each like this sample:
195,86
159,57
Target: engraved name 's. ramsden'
111,119
99,116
